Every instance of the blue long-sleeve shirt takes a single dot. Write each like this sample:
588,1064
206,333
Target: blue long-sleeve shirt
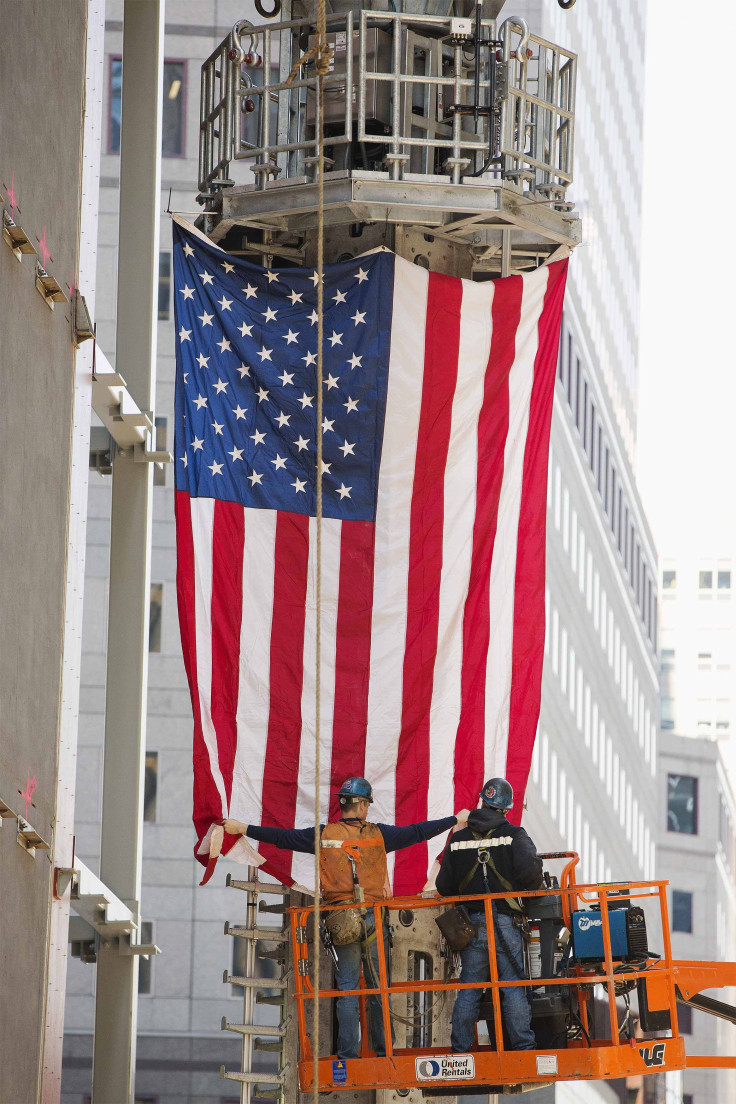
394,836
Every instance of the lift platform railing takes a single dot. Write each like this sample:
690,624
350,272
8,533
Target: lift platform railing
583,1057
406,94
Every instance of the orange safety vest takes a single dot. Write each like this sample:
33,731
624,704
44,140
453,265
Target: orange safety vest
365,845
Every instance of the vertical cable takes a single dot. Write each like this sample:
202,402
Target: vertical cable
323,61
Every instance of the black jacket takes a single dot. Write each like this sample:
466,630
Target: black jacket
513,854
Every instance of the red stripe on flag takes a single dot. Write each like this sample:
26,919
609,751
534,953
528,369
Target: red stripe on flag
493,424
227,607
281,767
528,648
442,342
207,801
352,654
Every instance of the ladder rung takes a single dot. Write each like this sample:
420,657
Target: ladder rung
253,1029
261,998
266,1044
265,1094
280,909
254,983
252,1078
257,887
273,935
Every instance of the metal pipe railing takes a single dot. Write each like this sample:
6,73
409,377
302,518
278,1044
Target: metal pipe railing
535,127
612,975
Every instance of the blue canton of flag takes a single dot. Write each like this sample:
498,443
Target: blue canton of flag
246,389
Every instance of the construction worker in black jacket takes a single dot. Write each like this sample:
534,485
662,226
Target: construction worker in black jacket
512,864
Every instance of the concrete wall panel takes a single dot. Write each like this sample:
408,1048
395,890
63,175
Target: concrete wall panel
42,75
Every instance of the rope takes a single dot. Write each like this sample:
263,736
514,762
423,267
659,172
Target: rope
322,53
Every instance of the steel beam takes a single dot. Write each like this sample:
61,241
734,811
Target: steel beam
130,537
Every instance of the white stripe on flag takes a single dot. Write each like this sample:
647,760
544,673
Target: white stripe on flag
203,514
503,568
255,661
302,868
459,516
393,518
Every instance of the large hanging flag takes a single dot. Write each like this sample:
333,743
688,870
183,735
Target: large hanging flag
437,405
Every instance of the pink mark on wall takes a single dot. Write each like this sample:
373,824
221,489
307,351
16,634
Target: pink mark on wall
28,792
44,248
11,195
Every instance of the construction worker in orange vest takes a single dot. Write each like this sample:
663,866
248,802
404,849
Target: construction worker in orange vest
353,867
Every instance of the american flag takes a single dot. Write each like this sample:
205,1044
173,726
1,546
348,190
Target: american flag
437,404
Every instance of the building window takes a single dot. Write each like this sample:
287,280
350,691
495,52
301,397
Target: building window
705,580
724,580
682,911
172,134
164,285
172,131
116,102
150,786
154,622
159,472
682,804
145,969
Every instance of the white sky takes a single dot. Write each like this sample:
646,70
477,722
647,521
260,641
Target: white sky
686,449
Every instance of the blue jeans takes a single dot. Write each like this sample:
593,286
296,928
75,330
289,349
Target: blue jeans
475,967
347,976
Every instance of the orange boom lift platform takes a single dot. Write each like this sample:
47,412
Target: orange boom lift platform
588,950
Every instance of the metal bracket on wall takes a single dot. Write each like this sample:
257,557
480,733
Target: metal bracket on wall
16,238
26,834
131,428
49,288
102,909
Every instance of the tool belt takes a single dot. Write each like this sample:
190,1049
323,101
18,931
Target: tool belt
457,927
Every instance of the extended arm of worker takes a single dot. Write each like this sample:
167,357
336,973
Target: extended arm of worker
395,837
302,839
288,839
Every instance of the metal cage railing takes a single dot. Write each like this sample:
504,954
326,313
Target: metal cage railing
407,97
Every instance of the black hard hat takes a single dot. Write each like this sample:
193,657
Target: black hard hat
497,793
356,787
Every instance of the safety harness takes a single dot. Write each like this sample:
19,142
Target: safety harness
484,844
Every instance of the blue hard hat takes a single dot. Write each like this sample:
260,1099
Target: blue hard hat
356,787
497,793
